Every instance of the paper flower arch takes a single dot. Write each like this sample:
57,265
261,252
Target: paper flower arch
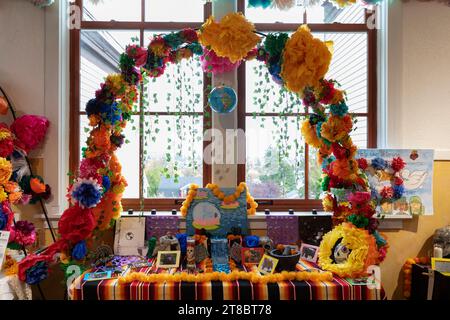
96,192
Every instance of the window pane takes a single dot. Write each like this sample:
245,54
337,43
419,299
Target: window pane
179,89
275,157
328,13
128,154
273,15
349,67
174,10
100,51
266,96
173,154
359,135
108,10
315,173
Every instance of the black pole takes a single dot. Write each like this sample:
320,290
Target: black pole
44,209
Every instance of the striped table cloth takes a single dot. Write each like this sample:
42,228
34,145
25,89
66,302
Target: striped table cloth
338,289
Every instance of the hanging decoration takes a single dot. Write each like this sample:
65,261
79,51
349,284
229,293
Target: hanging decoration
222,99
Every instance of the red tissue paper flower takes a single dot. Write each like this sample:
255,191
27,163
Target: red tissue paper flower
339,151
359,197
398,181
397,164
362,163
28,262
387,192
76,224
139,54
30,130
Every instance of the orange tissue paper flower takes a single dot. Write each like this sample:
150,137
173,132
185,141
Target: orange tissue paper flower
37,186
336,128
310,135
305,60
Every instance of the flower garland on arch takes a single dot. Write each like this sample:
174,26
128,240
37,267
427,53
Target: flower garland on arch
95,191
215,189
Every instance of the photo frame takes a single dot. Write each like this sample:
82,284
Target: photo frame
309,252
168,259
442,265
267,264
252,256
96,276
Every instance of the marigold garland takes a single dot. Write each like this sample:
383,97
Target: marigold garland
234,275
215,189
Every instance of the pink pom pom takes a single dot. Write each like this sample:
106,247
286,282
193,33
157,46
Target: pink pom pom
216,65
30,130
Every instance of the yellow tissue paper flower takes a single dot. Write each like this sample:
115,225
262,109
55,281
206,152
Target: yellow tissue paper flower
233,37
5,170
305,60
310,135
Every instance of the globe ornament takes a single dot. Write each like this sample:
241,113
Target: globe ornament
223,99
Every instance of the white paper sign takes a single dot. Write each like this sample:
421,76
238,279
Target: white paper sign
4,237
130,236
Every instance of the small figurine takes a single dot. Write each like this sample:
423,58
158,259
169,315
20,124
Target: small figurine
190,254
167,243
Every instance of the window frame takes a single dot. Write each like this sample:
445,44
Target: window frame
167,204
163,204
308,204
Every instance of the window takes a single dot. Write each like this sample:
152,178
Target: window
280,169
156,160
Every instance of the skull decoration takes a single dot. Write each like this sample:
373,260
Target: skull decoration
341,252
190,253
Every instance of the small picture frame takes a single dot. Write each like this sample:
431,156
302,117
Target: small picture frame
442,265
252,256
168,259
96,276
267,264
309,252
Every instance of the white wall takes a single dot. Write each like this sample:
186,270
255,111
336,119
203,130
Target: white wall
419,69
30,56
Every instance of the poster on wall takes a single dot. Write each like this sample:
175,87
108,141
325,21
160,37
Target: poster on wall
406,192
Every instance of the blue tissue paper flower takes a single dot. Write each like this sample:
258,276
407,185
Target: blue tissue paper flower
379,164
340,109
106,183
79,251
399,191
3,220
88,194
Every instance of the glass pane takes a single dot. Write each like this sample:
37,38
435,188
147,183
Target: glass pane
315,173
108,10
173,154
275,157
359,135
174,10
100,51
349,67
273,15
128,154
264,95
328,13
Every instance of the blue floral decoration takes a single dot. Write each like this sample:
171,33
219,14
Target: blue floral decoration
87,194
3,220
259,3
340,109
110,113
106,183
379,164
182,239
274,70
37,273
327,161
251,241
379,239
399,190
79,251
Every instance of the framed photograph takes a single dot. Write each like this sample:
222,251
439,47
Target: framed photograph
95,276
252,256
309,252
442,265
168,259
267,264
